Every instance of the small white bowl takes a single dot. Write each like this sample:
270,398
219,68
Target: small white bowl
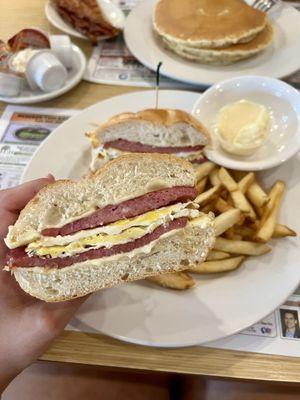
282,101
45,71
61,47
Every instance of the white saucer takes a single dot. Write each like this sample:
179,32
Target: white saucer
282,101
75,74
278,61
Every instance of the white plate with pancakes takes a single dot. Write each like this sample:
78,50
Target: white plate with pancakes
277,59
219,305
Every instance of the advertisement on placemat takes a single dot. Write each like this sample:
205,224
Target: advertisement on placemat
22,129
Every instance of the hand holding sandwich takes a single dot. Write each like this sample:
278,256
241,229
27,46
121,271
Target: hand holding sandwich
27,325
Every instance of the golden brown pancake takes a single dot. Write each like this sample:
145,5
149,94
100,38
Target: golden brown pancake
225,55
207,23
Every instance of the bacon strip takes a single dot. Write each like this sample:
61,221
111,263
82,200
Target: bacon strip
126,209
19,258
136,147
87,27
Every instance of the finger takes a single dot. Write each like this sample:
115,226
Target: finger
13,200
59,314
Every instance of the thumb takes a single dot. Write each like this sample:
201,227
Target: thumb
14,199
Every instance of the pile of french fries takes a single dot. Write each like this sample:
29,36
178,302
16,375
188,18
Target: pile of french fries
246,220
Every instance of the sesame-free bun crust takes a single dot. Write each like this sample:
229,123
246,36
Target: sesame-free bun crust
154,127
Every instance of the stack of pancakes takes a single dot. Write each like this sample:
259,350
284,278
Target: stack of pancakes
212,31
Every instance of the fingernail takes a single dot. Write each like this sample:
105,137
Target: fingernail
50,176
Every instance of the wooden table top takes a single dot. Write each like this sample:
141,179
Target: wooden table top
77,347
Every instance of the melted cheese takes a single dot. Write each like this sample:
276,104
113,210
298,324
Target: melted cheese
101,156
119,232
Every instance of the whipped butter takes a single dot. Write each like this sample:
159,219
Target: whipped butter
242,127
19,60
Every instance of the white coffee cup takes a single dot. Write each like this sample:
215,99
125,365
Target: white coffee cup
44,70
62,48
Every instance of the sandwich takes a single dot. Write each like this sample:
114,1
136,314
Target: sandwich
134,218
149,131
212,32
92,18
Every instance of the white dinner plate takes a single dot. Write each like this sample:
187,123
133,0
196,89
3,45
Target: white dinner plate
278,61
219,305
75,74
55,19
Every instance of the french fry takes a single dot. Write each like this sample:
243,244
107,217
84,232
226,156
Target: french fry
229,200
241,247
277,189
201,185
245,232
204,197
221,205
235,236
269,217
175,280
238,198
283,231
212,267
238,175
229,234
214,177
227,180
204,169
242,220
208,208
242,204
256,195
217,255
259,211
245,182
226,220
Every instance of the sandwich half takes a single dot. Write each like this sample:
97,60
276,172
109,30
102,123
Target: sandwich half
132,219
149,131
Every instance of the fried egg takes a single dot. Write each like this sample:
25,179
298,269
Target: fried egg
119,232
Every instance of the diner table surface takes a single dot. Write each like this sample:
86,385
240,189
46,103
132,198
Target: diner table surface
97,349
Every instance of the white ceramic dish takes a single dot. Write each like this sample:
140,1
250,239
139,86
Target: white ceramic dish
277,61
75,74
281,100
55,19
219,305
